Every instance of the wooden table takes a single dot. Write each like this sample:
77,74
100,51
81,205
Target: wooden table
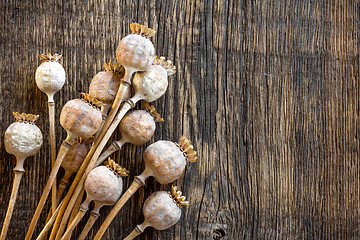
267,91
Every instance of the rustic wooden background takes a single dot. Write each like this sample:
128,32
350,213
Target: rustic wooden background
268,92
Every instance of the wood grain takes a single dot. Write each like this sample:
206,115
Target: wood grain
267,91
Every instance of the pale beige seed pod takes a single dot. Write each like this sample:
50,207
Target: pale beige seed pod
166,160
138,127
104,184
81,117
73,159
50,75
161,210
152,83
22,139
136,51
50,78
104,86
76,155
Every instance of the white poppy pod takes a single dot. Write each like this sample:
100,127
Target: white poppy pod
23,138
152,84
50,75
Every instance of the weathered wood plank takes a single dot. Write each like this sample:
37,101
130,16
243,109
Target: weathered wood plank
268,92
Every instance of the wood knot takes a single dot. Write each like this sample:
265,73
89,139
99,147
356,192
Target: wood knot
218,233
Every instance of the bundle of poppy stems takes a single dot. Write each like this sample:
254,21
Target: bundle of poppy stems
90,122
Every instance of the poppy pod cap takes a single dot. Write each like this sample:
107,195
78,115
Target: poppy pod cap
136,50
81,117
23,138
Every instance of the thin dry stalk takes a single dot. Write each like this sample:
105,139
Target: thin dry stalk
14,192
74,223
133,234
49,223
92,219
62,152
51,106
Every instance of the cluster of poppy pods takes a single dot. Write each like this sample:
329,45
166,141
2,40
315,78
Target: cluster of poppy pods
89,122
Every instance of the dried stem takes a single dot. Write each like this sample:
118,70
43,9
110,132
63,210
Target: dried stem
77,205
92,219
89,161
62,152
14,192
53,152
49,223
115,146
74,223
125,197
133,234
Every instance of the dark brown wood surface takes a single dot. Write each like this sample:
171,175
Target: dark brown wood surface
267,91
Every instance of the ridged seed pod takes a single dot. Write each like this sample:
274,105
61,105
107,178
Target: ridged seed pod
81,117
22,139
136,51
161,210
166,160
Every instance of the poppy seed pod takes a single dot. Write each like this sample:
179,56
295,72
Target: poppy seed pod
166,160
50,75
136,51
105,84
152,83
22,139
161,210
137,127
104,185
73,159
76,155
50,78
81,117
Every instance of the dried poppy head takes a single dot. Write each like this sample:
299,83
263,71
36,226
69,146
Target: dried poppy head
50,75
81,117
23,138
136,51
